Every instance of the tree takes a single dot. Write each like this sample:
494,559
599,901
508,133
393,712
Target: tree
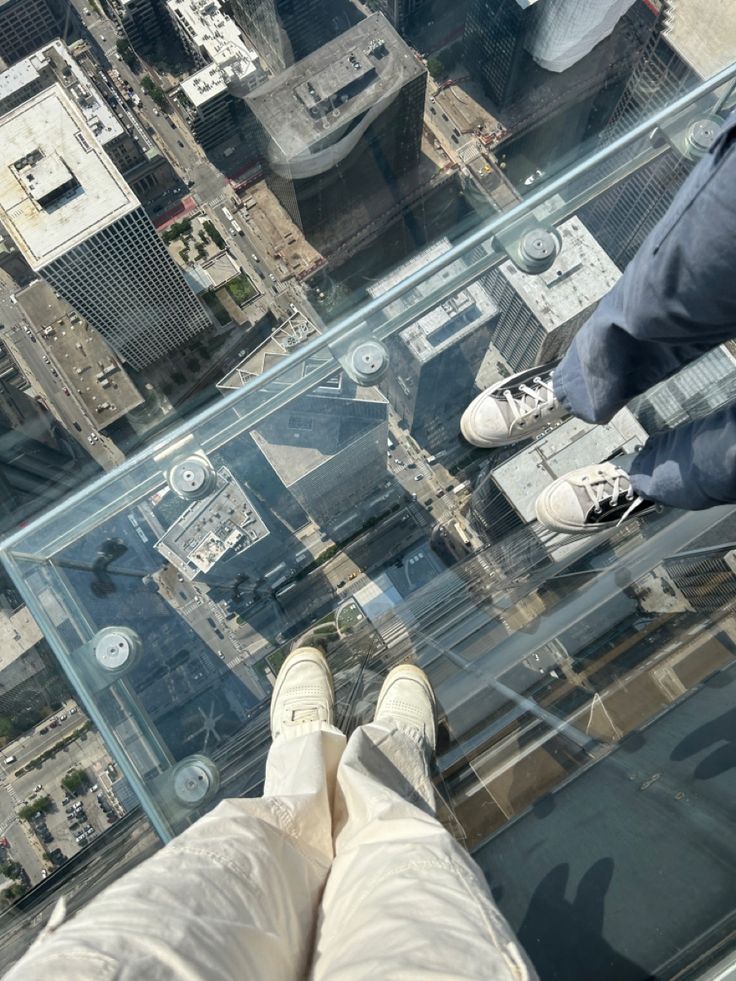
43,804
214,234
435,66
75,780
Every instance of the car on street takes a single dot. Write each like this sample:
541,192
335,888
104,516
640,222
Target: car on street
38,787
272,277
103,38
180,144
419,476
66,391
72,711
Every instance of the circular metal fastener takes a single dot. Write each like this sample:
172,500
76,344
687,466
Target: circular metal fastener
116,649
195,780
367,362
701,135
538,250
192,478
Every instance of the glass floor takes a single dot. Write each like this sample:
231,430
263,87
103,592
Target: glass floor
586,685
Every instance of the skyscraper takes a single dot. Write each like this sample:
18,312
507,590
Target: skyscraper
541,313
400,12
327,447
24,26
285,31
341,125
78,224
493,43
38,461
434,361
556,33
213,96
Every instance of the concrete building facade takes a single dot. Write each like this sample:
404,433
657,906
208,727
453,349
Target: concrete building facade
80,227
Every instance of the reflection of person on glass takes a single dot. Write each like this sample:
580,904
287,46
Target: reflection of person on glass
675,301
341,870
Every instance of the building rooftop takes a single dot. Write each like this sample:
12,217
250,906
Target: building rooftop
234,66
581,275
447,323
705,43
80,191
225,522
18,634
573,444
343,79
53,62
81,354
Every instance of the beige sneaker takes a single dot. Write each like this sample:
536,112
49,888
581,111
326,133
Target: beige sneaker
407,700
304,692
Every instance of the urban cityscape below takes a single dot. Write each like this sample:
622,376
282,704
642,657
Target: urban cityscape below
256,258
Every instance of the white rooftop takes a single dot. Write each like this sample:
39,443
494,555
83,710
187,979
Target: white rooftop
53,62
450,320
703,36
581,275
50,130
234,66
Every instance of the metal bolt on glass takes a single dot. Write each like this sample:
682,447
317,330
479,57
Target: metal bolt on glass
116,649
367,362
195,780
192,478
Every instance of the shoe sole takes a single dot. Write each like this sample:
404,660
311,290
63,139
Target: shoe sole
317,655
411,671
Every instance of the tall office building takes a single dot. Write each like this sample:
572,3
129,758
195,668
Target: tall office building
285,31
435,360
400,12
340,126
213,96
139,20
698,389
540,314
556,33
39,462
684,48
24,26
328,447
80,227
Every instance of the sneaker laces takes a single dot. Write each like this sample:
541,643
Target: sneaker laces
597,490
539,394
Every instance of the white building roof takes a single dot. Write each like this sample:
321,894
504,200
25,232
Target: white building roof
233,65
581,275
703,36
52,59
51,130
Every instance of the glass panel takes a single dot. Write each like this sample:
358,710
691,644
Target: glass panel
300,238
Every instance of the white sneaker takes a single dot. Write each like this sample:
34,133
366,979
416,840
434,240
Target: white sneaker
406,699
304,692
590,499
516,408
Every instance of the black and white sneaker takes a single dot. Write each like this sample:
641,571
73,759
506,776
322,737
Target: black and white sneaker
590,499
516,408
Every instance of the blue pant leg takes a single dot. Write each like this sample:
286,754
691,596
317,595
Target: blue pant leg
693,466
675,301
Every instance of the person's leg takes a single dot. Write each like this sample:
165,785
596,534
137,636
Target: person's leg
675,301
403,899
692,467
236,895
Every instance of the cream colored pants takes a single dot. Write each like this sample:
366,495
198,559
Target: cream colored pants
340,871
